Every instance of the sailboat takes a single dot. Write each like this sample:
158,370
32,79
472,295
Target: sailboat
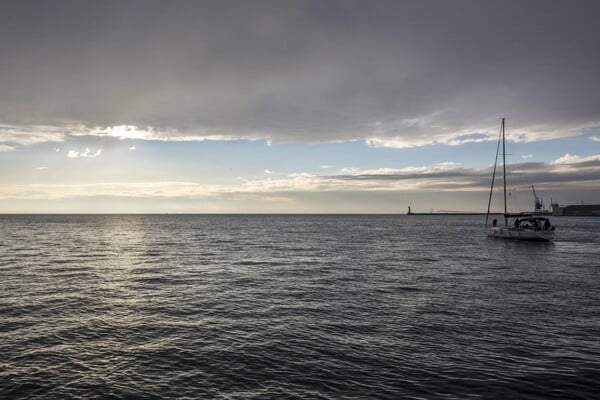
520,226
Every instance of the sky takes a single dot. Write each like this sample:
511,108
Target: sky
296,106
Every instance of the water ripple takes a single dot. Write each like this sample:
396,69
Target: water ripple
329,307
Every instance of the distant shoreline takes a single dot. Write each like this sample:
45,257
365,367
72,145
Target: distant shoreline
452,213
284,214
126,213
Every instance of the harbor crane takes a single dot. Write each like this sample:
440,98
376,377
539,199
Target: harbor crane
538,203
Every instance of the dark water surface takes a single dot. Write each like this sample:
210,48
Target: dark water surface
237,307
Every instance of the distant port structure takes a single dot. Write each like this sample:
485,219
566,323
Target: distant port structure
539,208
582,210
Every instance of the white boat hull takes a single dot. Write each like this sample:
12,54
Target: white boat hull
520,234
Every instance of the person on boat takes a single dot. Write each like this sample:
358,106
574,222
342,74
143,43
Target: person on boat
546,225
536,226
494,222
517,223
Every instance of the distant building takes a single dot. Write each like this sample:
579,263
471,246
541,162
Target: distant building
558,210
588,210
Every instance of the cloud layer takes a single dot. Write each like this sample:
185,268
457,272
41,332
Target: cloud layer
396,74
569,172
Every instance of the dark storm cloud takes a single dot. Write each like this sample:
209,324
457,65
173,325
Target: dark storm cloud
302,70
581,174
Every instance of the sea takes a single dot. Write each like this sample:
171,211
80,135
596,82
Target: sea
295,307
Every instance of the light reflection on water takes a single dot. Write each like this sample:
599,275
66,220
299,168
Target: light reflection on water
298,306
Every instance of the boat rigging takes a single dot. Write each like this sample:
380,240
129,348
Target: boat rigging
523,226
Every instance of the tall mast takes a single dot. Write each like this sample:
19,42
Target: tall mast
504,171
493,175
